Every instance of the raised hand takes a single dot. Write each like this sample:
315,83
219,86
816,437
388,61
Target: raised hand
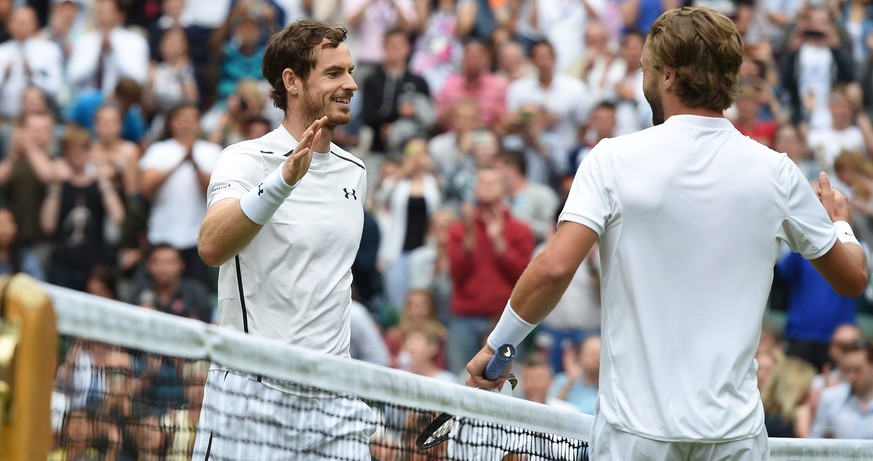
836,204
298,162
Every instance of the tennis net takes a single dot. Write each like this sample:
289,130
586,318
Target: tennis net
130,383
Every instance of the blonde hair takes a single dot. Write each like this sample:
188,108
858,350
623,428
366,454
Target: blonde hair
787,387
859,163
704,49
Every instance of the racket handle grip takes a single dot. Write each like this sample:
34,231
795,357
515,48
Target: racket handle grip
502,357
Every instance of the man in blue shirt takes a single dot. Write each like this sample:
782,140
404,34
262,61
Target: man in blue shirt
846,410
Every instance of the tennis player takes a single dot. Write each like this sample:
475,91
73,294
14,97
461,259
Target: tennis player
284,223
690,215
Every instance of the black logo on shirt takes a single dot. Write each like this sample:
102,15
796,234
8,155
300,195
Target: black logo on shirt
260,189
350,194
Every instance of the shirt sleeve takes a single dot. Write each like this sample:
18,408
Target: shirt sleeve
236,171
589,202
806,228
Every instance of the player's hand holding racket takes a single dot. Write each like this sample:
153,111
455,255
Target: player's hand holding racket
495,369
478,367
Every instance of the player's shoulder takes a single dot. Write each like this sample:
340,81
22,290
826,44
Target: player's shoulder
342,154
269,144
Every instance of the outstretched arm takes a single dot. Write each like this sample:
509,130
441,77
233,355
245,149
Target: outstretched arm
535,295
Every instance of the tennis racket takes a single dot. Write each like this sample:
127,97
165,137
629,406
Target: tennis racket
439,429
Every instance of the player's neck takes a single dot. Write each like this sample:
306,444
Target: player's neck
296,128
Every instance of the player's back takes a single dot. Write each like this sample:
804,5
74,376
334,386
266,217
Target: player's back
693,212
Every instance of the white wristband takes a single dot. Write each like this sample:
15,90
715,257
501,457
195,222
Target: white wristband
260,203
511,329
844,232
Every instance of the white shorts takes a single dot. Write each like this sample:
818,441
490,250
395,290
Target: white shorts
245,419
610,444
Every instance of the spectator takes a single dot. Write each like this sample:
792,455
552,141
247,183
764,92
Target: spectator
109,151
166,289
544,151
421,346
856,171
105,55
790,141
170,18
438,49
25,174
78,437
748,120
65,23
488,247
239,56
537,377
419,311
13,257
474,81
832,373
789,402
76,213
564,98
411,202
368,21
172,80
563,23
846,410
600,69
857,20
578,382
102,281
477,149
815,310
246,103
174,178
640,14
816,60
632,110
449,148
768,359
531,202
396,103
127,95
827,141
601,125
182,422
429,264
512,62
26,60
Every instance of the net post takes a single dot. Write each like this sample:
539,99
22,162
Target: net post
26,419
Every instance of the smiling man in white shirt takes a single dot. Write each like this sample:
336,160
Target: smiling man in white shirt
284,223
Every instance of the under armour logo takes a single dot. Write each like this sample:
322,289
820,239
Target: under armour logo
261,189
352,193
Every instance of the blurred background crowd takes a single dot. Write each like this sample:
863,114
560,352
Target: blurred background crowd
471,116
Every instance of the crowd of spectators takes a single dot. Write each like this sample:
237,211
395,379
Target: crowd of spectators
472,117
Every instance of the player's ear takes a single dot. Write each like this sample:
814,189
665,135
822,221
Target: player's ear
289,79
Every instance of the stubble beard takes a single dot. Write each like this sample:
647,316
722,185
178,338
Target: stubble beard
657,105
313,110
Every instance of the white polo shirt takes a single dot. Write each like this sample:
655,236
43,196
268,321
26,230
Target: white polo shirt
293,281
690,216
